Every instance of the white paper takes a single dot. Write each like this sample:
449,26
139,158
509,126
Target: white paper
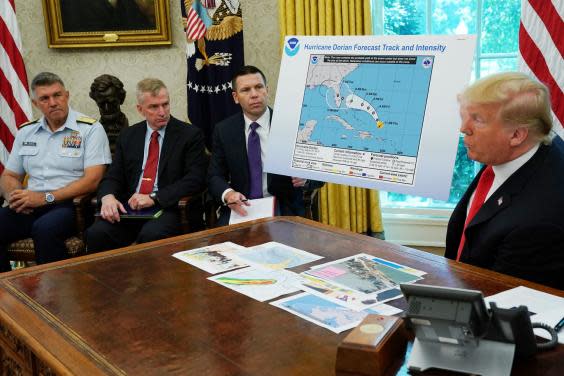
217,258
259,208
275,256
547,308
327,314
258,284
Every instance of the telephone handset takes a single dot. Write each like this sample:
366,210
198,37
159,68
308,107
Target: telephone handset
514,325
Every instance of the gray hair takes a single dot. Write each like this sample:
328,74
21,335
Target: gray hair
149,85
45,79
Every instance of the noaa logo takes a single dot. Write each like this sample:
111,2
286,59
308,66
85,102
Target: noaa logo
292,46
427,62
314,59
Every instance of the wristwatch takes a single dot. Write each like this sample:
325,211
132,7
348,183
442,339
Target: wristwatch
153,196
49,198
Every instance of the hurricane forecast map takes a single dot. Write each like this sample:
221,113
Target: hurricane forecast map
371,111
363,115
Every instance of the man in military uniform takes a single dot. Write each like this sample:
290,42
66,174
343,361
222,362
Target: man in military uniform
64,154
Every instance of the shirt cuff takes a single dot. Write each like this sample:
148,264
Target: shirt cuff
224,193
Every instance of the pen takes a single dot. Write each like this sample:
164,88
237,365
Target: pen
560,325
231,203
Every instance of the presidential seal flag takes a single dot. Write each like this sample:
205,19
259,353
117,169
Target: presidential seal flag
214,52
541,44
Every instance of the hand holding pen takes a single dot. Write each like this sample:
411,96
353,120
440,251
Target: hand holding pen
236,201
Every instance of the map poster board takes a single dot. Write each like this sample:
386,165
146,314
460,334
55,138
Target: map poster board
370,111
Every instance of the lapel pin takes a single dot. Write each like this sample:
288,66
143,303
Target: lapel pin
499,201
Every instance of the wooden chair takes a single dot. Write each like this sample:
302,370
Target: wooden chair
193,216
24,250
311,205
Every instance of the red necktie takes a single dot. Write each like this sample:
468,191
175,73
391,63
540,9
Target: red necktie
150,172
482,189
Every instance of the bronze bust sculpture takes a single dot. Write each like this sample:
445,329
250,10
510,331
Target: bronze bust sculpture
108,93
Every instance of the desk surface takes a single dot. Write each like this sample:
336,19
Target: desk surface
137,310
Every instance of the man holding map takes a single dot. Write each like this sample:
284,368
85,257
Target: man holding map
239,150
511,218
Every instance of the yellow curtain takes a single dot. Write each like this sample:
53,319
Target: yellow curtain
354,209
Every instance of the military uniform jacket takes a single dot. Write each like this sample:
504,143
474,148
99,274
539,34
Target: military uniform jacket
53,160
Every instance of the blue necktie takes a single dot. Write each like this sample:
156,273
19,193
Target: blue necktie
255,162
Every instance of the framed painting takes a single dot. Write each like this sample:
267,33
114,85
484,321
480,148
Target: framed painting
106,23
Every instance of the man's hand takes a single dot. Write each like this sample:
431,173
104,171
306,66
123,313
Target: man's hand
140,201
237,201
111,208
24,200
298,182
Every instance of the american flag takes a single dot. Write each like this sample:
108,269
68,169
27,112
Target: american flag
198,21
15,107
541,43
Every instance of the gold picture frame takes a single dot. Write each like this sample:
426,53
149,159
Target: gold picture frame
106,23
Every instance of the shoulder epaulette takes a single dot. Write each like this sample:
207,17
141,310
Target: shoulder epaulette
85,119
28,123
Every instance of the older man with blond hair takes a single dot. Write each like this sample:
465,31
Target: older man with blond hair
511,218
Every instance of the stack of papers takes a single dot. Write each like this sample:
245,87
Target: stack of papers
338,294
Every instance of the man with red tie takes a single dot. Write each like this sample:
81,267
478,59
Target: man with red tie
156,162
511,218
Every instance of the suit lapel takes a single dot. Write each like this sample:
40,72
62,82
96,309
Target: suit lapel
239,140
502,197
169,142
137,148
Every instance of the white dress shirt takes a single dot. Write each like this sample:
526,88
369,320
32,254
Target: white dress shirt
504,171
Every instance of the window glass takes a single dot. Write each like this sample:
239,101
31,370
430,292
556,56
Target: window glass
404,17
489,65
454,17
500,23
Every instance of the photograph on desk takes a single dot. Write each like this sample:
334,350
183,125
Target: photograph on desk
258,284
214,259
276,256
327,314
335,293
363,273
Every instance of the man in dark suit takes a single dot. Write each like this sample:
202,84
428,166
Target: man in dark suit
235,173
156,162
519,228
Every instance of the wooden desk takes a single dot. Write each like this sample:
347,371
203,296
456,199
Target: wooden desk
138,311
